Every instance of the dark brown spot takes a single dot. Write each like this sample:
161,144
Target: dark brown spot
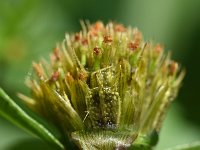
77,37
133,46
84,41
97,50
107,39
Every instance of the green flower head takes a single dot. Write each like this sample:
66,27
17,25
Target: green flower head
105,88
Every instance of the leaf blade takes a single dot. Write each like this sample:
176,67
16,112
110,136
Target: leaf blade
15,114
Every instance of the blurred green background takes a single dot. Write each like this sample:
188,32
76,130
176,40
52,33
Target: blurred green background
29,30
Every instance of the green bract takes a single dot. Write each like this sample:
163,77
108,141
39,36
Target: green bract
105,88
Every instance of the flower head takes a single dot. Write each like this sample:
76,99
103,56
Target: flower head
105,87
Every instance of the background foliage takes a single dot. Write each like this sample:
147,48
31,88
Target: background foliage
30,29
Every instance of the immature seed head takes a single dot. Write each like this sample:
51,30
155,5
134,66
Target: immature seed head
105,87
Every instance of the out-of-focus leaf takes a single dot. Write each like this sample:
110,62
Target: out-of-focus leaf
192,146
11,111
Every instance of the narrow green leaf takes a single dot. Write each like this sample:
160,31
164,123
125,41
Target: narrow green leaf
11,111
192,146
